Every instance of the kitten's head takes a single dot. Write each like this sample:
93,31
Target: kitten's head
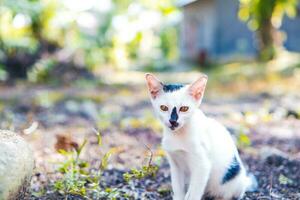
174,104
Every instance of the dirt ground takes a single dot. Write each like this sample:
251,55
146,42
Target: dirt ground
266,128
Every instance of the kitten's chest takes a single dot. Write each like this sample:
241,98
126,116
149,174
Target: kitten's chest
173,143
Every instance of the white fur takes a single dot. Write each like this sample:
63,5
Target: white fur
199,151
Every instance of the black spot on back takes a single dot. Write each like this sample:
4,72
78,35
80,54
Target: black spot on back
172,87
232,171
208,197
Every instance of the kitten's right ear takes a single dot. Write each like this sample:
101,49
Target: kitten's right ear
154,85
197,88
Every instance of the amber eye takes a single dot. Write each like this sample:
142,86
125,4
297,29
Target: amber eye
164,108
184,108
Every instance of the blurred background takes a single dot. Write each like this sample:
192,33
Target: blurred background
68,66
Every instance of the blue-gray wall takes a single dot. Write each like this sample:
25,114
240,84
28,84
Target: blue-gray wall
232,36
292,29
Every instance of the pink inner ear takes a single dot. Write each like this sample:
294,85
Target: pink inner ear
154,93
197,94
154,89
154,85
198,87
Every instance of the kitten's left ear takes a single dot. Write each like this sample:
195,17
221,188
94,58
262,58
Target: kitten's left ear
196,90
154,85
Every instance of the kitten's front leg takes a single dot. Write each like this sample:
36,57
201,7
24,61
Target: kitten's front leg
177,179
200,170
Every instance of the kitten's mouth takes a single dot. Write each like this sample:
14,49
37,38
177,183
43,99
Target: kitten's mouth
173,127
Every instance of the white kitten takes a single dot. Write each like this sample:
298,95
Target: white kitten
201,153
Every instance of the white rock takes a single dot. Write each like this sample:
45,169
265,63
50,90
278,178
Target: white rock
16,165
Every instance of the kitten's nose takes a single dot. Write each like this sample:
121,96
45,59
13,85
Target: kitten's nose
173,123
174,118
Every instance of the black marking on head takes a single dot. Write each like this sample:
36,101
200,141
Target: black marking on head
232,171
172,87
174,116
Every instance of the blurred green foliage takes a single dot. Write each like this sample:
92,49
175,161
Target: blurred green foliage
265,17
37,35
79,178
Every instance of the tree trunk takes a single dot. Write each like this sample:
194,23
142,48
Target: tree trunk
267,40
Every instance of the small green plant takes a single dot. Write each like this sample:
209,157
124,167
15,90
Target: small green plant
74,171
283,180
148,170
78,178
145,171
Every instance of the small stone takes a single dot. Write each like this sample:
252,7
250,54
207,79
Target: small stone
89,110
16,166
72,106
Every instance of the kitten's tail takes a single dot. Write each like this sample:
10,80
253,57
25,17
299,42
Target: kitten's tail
252,183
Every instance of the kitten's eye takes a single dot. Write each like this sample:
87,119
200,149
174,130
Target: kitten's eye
184,108
164,108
